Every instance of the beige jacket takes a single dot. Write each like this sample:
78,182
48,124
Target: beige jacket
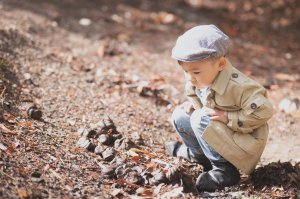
243,139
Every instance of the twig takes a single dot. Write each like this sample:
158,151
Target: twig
7,175
167,165
2,95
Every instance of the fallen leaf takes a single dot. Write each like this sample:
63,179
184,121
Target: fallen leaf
136,159
139,150
177,192
26,124
22,192
24,172
3,147
287,77
132,153
9,118
11,148
117,192
4,129
157,189
144,192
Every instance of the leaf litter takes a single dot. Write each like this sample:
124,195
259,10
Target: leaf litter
76,77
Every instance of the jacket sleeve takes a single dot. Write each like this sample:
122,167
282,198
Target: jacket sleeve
191,95
255,110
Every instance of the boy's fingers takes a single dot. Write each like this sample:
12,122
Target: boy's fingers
210,112
214,118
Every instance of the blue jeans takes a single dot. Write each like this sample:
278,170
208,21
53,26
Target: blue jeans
190,128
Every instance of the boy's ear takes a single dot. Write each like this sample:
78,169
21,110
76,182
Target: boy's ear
222,63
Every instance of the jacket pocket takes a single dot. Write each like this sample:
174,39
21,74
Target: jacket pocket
248,143
259,108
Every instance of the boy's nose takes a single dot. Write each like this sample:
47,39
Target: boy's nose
189,77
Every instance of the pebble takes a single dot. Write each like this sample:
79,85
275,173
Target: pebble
105,139
85,21
289,105
85,143
123,144
27,76
99,149
108,154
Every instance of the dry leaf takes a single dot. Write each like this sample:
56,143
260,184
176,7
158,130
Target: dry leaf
117,192
136,159
11,148
144,192
157,189
4,129
9,118
24,172
177,192
287,77
3,147
22,192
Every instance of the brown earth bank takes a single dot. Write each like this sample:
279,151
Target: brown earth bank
101,75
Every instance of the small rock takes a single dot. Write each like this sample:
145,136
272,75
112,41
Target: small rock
31,110
140,191
108,154
3,147
118,193
137,137
118,161
122,170
71,122
27,76
109,170
116,136
36,174
134,177
83,132
123,144
115,186
289,105
85,143
107,124
105,139
100,149
139,168
85,22
158,177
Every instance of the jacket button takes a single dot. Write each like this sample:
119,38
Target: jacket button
234,75
253,106
240,124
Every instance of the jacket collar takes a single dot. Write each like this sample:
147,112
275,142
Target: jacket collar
222,79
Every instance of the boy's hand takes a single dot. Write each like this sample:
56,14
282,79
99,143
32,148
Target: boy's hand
187,106
217,115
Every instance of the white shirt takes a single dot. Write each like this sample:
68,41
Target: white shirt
202,94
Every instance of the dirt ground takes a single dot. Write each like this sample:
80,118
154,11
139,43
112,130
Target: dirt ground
81,61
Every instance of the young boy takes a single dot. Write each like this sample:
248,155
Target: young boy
224,124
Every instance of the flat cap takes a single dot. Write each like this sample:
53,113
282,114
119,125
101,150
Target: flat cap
199,43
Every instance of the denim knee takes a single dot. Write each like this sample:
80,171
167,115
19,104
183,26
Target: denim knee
178,116
199,121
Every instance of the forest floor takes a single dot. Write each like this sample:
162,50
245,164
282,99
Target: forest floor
81,62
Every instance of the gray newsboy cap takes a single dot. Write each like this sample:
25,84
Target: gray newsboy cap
199,43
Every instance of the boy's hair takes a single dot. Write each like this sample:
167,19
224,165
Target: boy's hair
212,58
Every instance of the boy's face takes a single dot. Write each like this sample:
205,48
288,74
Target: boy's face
203,73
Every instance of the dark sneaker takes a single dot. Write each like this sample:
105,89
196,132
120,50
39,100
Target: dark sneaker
223,174
178,149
